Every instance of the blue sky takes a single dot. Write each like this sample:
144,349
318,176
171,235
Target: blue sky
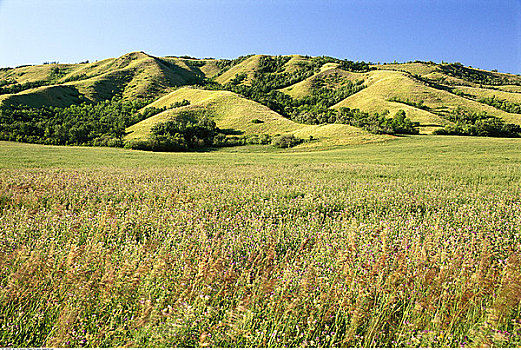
484,34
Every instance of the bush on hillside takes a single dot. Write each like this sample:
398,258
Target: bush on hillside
285,141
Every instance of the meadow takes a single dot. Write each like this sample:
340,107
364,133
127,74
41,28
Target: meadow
414,242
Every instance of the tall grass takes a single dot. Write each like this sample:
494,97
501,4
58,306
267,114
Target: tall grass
298,254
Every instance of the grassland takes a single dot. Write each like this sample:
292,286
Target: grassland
233,112
414,242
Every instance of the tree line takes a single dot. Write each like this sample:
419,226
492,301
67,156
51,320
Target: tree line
100,124
478,124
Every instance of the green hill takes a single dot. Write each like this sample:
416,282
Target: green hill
391,86
233,112
134,75
277,91
384,86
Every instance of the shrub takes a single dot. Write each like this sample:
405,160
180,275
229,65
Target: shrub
285,141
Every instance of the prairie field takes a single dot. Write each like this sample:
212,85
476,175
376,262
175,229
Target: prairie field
414,242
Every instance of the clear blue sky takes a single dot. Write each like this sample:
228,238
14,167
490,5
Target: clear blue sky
479,33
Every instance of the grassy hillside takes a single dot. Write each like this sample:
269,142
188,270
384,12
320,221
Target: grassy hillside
132,76
500,92
426,91
237,113
248,67
329,76
383,86
54,95
251,65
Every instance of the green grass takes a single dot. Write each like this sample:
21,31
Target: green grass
433,152
132,75
409,243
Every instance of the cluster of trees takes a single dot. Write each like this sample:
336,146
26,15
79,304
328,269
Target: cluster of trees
101,124
56,73
358,66
460,93
378,123
419,105
457,70
224,140
478,124
7,87
268,64
189,130
372,122
286,141
504,105
195,129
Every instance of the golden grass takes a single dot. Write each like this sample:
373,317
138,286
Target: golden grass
136,74
31,74
248,67
413,68
383,85
502,95
509,88
303,88
293,63
235,112
484,92
210,68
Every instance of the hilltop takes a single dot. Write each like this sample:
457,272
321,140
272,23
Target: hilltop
336,101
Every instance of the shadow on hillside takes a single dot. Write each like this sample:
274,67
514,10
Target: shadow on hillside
231,132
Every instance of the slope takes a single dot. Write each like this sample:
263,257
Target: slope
248,67
252,64
382,86
54,95
134,75
237,113
329,75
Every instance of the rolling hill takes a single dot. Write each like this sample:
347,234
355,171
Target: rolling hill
134,75
242,116
273,90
